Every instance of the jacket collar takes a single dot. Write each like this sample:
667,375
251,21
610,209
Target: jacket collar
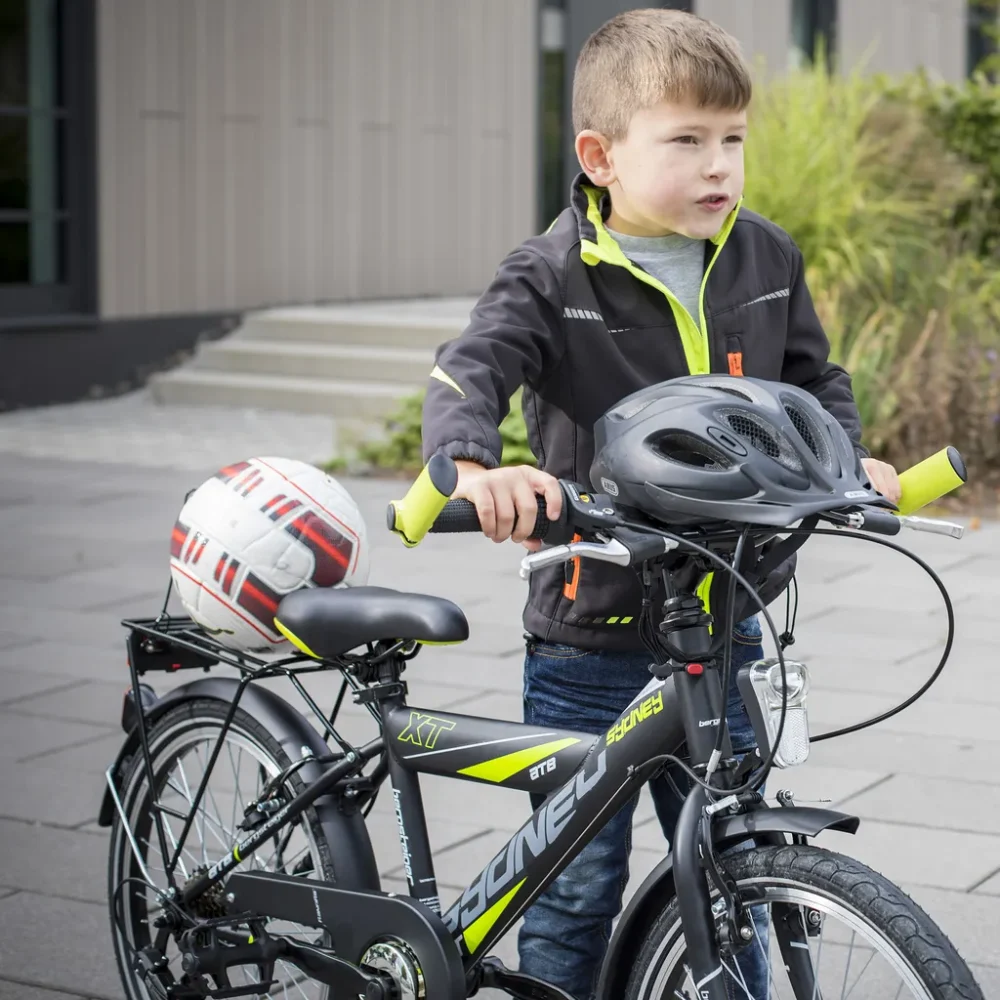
591,204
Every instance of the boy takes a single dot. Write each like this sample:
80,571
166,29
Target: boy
653,271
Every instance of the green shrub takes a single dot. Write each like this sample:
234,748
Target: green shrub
401,447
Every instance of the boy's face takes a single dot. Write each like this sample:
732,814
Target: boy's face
679,169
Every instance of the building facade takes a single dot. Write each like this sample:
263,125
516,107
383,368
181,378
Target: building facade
166,165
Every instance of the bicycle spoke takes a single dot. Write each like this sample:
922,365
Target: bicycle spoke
871,958
847,965
226,841
218,812
237,798
767,957
741,982
819,959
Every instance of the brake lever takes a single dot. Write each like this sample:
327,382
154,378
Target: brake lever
611,551
625,548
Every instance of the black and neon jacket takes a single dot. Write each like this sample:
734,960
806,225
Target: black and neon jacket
579,326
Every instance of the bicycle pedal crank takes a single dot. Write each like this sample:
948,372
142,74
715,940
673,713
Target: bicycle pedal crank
518,984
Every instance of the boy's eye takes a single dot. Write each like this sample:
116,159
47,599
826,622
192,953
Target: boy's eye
734,138
686,139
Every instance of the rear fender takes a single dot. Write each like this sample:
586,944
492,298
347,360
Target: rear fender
764,824
350,846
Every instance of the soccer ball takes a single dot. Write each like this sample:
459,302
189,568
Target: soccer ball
258,530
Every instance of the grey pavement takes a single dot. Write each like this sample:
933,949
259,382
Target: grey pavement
83,542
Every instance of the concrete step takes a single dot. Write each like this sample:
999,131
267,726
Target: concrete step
336,397
389,325
312,359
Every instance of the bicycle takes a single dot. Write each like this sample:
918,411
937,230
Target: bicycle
285,893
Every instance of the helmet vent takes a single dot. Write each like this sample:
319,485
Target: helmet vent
809,433
762,436
739,393
686,449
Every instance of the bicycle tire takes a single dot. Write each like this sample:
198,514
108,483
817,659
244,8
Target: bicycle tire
886,909
186,720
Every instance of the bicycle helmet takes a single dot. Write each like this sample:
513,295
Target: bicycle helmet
725,448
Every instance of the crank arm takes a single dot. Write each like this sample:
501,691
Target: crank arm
344,978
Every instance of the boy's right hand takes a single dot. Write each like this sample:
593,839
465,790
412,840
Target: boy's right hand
500,495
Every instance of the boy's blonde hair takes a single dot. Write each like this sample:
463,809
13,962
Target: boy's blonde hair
641,57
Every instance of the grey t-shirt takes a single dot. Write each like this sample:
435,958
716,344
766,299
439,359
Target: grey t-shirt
677,261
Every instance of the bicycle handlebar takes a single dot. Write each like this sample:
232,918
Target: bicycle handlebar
427,506
462,516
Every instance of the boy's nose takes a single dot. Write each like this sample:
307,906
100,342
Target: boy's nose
716,166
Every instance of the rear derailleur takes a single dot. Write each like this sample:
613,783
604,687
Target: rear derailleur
211,948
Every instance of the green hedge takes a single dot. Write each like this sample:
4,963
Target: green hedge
892,190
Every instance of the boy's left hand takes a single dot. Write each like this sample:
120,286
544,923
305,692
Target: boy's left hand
884,478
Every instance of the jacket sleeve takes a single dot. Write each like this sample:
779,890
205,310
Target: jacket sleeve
515,336
807,358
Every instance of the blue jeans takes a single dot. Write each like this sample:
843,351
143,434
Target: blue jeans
566,930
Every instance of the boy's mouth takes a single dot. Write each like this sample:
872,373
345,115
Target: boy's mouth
714,202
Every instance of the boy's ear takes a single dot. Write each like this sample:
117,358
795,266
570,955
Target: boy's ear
592,150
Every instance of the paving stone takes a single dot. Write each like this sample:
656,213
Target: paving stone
88,760
98,702
23,737
16,685
924,718
946,804
48,793
10,990
71,661
88,629
990,887
63,944
75,867
919,855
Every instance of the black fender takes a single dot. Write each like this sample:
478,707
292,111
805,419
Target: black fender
350,845
764,823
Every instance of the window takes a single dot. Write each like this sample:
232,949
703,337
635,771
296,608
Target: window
45,196
814,25
553,113
982,27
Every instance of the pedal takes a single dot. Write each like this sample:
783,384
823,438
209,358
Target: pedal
518,984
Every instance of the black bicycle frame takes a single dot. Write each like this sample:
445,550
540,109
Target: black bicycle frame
587,779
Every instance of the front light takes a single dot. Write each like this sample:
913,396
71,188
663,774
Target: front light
762,689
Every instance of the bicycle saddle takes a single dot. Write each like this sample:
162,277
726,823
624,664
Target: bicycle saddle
325,622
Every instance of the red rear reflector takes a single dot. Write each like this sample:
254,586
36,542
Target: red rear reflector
695,669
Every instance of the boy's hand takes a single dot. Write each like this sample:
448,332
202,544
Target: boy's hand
502,494
884,478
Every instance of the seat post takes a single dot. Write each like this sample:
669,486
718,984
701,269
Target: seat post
408,805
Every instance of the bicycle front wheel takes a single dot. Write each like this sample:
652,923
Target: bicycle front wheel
825,927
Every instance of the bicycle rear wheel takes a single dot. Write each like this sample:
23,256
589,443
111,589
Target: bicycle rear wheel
857,936
180,746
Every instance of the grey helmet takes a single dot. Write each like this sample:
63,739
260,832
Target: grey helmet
708,448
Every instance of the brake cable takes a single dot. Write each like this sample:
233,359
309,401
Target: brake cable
949,609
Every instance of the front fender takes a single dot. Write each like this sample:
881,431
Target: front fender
350,846
763,824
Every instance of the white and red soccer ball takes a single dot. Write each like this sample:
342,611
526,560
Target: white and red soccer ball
258,530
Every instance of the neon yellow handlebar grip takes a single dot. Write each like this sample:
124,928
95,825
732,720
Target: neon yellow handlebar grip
411,518
930,479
